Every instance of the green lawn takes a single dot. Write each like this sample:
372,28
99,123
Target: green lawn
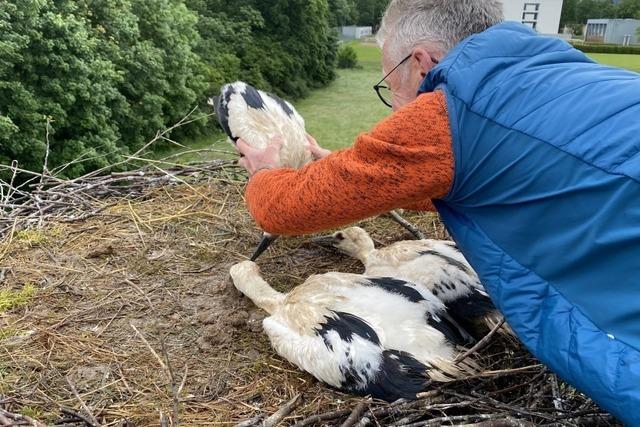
630,62
335,115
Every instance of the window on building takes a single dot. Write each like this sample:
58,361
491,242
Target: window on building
530,14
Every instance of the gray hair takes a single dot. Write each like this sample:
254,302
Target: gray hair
437,24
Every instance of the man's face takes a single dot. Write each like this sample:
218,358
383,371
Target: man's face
403,82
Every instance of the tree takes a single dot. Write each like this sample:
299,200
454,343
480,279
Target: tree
356,12
568,14
107,74
285,46
342,12
594,9
51,69
575,13
152,43
101,76
629,9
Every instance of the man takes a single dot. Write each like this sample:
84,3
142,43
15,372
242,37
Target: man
531,154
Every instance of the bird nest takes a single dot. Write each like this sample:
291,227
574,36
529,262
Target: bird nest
116,308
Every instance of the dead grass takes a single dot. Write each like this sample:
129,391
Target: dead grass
134,318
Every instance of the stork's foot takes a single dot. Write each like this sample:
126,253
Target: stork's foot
407,225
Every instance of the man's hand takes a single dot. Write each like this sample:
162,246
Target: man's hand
254,160
316,151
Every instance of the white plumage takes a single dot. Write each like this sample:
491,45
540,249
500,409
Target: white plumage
365,335
436,265
257,117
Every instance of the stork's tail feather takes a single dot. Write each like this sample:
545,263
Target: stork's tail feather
401,376
246,278
446,370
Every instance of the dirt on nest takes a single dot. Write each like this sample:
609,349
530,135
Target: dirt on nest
135,311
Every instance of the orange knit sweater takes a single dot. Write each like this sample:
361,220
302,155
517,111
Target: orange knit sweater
404,162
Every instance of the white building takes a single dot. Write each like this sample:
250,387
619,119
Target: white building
541,15
353,32
615,31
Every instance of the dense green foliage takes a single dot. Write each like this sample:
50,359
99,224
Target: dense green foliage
356,12
347,57
607,48
284,46
107,74
575,13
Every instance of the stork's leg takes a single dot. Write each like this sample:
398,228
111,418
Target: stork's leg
406,224
246,278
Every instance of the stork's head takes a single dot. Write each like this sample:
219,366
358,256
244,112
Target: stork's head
352,241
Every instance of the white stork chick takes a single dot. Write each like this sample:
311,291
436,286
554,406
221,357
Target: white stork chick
436,265
258,117
365,335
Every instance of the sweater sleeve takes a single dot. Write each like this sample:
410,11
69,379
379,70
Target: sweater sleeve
404,162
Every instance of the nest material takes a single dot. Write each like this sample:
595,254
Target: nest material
135,321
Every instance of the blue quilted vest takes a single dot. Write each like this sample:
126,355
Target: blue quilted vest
545,201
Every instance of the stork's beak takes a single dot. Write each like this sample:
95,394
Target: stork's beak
266,241
326,241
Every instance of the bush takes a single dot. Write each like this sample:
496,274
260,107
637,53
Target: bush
347,57
99,77
606,48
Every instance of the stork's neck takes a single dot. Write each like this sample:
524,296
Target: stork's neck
259,291
366,255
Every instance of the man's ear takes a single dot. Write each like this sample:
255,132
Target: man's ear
423,60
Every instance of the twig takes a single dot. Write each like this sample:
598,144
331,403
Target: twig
480,343
250,422
285,410
153,352
555,392
406,224
77,415
164,422
10,419
502,422
45,168
175,390
355,415
203,150
91,420
322,417
456,419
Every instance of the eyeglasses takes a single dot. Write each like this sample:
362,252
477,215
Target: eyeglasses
383,91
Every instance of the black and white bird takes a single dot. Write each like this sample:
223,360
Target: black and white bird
257,117
376,336
436,265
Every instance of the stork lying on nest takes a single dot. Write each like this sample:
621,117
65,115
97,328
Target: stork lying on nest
365,335
258,118
436,265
